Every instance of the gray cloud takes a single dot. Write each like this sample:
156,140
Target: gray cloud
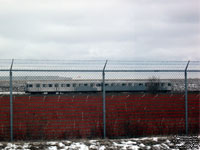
114,29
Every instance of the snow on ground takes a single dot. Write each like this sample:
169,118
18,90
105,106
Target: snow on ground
147,143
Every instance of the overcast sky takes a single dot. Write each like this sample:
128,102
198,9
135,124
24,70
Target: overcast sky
100,29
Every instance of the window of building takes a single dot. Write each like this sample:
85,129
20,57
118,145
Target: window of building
67,85
50,85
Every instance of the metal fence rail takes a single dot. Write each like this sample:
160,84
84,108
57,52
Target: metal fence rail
18,72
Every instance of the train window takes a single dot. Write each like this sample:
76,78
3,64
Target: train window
56,85
140,84
67,85
112,84
30,85
74,84
44,85
123,84
106,84
85,84
62,85
155,84
91,84
37,85
81,84
50,85
118,84
162,84
98,84
169,84
129,84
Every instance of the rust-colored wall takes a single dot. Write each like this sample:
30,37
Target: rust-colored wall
80,115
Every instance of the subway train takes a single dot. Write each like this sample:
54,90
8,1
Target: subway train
59,87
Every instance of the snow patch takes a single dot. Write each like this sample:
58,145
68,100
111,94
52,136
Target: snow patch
181,144
61,144
155,139
157,147
127,145
102,148
167,141
81,146
129,142
148,147
53,148
52,143
92,141
142,145
165,146
93,147
26,145
11,146
134,147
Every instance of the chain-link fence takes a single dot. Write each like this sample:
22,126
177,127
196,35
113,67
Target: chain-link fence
46,99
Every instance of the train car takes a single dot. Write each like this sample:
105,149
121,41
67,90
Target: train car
46,87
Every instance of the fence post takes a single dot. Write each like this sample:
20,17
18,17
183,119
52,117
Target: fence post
104,101
11,103
186,100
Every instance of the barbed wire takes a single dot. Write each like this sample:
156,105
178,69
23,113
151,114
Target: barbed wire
25,64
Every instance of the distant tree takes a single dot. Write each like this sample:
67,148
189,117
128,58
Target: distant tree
153,84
